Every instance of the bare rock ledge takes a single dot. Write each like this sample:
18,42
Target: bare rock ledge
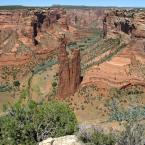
66,140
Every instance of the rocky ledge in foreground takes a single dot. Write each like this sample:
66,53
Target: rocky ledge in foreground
66,140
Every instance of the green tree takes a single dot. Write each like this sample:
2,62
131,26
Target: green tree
31,122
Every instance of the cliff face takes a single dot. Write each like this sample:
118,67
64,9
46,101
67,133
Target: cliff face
105,26
75,70
84,17
29,22
30,25
64,72
123,69
7,39
28,34
22,30
69,71
129,22
43,20
34,31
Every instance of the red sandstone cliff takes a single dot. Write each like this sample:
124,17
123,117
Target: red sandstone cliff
69,71
75,70
84,17
128,23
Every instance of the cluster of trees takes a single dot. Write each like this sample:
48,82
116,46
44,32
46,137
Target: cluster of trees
29,123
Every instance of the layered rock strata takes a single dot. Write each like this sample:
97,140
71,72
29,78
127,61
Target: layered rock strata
69,70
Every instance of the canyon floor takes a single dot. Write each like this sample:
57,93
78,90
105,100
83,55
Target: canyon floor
112,60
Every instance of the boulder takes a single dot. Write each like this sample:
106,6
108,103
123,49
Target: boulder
48,141
66,140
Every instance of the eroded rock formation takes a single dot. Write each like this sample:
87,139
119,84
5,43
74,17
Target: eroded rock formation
69,70
105,26
34,31
75,70
41,21
130,22
84,17
66,140
123,70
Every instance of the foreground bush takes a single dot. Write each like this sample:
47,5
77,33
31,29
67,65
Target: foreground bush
99,138
32,123
133,135
94,136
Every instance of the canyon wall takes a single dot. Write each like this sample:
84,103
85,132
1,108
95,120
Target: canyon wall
123,69
84,17
29,36
129,21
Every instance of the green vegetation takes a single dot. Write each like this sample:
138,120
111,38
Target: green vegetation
86,43
31,122
95,137
5,87
23,49
133,135
5,73
102,139
132,110
9,72
112,46
9,76
16,83
129,92
102,46
40,68
54,84
72,45
47,64
89,92
24,93
137,68
131,114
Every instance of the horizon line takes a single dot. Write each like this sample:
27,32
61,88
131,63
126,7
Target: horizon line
55,5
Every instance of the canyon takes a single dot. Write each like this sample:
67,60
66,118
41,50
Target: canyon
71,54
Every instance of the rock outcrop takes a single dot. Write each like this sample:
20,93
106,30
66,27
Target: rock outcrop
34,31
69,70
84,17
105,26
75,70
21,30
120,71
66,140
42,20
64,72
130,22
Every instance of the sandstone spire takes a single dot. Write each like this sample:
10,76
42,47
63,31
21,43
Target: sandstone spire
69,70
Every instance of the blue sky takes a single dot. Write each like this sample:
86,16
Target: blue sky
127,3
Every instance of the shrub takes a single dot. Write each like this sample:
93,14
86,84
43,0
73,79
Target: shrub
16,83
24,93
95,136
99,138
54,84
5,87
31,123
133,135
118,113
